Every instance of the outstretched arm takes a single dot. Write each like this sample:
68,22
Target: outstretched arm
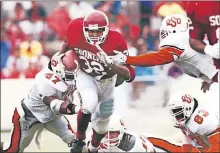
163,56
60,106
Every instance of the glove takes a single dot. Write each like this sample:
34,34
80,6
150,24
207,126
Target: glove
205,86
119,57
213,50
103,57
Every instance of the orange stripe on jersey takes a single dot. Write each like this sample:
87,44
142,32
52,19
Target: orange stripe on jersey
16,134
165,145
165,55
172,50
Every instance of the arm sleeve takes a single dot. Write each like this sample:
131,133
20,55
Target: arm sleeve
197,30
165,55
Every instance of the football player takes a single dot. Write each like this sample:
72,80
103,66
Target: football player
120,139
205,23
174,47
92,41
50,97
200,126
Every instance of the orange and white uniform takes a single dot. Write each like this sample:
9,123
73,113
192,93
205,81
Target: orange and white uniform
201,131
175,48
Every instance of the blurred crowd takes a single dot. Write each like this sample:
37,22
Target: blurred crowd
32,31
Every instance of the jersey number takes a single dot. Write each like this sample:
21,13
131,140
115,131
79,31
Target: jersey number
199,118
52,77
94,67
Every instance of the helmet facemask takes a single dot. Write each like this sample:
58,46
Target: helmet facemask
96,21
113,138
115,133
95,39
180,110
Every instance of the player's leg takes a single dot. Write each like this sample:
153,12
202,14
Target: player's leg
62,128
88,94
100,128
24,128
104,110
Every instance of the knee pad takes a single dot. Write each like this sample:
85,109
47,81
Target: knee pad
106,108
102,126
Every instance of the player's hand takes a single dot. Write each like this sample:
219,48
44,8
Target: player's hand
205,86
104,58
119,57
213,50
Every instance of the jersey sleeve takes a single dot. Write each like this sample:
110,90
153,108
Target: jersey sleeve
165,55
45,89
207,122
74,32
197,30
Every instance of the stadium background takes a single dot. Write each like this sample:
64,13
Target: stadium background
31,32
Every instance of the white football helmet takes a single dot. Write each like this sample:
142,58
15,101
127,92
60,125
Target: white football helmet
174,23
115,132
96,20
181,107
65,66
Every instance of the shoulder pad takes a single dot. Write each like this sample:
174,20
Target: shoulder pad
178,41
46,76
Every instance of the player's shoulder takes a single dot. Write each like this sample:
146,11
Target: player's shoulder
76,23
115,35
178,41
48,80
200,119
115,41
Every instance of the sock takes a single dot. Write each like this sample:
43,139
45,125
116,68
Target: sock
96,139
82,125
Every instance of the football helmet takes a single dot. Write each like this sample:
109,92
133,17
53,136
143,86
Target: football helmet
174,23
65,66
115,132
181,107
96,20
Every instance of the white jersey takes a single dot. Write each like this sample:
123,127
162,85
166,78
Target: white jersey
201,124
191,62
135,143
46,83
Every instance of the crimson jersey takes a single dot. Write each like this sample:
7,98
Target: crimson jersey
89,62
205,17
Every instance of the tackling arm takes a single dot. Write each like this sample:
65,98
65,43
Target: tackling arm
163,56
59,106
